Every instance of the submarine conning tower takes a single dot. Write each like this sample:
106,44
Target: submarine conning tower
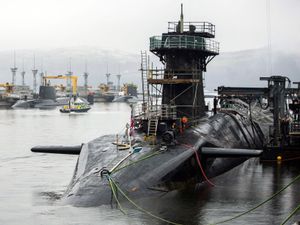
185,50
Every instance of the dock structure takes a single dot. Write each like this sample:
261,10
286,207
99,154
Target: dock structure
283,102
185,50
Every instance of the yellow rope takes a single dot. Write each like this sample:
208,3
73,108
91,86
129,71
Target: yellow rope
291,214
134,162
260,204
138,207
115,196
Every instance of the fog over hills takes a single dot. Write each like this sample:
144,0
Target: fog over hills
241,68
244,68
58,62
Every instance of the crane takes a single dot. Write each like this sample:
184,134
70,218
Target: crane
73,79
8,87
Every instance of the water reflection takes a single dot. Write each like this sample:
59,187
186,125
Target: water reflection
32,184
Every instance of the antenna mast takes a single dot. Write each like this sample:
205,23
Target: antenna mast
85,75
69,73
107,75
14,70
42,74
34,72
181,19
23,73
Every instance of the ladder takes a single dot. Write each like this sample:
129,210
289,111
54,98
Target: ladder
144,70
152,127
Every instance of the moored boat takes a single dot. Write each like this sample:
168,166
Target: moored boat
76,105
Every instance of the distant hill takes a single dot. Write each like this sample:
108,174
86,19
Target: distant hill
245,67
57,61
241,68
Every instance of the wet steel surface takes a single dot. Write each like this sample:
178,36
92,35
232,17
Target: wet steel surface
32,183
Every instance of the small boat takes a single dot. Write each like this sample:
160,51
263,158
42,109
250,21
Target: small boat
75,106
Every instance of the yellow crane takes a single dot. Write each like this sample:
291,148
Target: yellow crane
72,78
103,88
8,87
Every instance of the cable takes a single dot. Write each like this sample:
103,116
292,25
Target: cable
199,164
134,162
115,196
260,204
291,214
137,206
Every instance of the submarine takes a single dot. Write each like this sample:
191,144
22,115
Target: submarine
47,95
47,99
170,143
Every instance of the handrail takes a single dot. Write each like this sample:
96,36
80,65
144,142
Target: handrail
195,27
162,111
295,127
184,42
170,74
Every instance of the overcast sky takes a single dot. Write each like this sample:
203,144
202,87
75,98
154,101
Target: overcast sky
127,24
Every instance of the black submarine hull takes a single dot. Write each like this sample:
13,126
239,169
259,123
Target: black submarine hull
154,170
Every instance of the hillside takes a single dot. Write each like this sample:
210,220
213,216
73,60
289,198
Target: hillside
241,68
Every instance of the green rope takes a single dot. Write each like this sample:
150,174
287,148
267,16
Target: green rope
115,196
138,207
141,159
262,203
291,214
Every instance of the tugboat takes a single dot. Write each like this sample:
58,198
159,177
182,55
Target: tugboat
171,144
75,105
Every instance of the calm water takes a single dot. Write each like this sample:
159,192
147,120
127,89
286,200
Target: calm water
32,183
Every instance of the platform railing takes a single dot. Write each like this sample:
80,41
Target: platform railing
162,111
169,74
184,42
295,127
196,27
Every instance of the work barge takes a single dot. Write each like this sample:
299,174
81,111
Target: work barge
171,143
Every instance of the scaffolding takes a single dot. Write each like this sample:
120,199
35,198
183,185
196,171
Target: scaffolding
174,93
144,69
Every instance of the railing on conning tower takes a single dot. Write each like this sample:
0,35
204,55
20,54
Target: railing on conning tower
162,112
184,42
204,29
163,76
159,111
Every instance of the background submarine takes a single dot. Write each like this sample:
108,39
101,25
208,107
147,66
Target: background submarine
170,144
